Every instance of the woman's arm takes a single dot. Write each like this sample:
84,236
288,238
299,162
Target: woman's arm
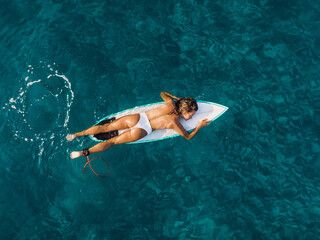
167,96
180,129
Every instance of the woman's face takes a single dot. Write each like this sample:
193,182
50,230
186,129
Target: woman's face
188,115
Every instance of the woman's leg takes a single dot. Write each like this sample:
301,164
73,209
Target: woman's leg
118,124
126,137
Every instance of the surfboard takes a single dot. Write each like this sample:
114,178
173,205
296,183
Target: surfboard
209,110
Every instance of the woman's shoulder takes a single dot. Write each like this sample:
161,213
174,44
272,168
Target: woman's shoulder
166,107
173,117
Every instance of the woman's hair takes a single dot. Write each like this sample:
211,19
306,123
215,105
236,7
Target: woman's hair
185,105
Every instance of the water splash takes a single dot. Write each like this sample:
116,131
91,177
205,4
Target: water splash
40,111
42,105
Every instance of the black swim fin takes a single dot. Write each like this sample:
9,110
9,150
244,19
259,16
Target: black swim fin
107,135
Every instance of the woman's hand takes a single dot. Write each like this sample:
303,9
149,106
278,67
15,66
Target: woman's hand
203,123
166,96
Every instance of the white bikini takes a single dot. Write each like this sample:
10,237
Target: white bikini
144,123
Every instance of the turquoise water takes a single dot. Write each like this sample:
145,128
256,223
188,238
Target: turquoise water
252,174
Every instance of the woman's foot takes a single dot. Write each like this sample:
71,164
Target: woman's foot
76,154
71,137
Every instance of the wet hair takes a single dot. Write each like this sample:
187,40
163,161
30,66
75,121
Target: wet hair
185,105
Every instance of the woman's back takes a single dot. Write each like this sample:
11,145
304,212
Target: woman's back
160,117
160,111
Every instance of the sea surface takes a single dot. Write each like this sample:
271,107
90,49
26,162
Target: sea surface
252,174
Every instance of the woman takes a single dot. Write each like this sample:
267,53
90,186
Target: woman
165,116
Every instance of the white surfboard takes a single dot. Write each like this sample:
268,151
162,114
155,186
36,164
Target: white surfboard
209,110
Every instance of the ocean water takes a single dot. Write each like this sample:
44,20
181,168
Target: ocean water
252,174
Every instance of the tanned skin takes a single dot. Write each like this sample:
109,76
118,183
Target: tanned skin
160,118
